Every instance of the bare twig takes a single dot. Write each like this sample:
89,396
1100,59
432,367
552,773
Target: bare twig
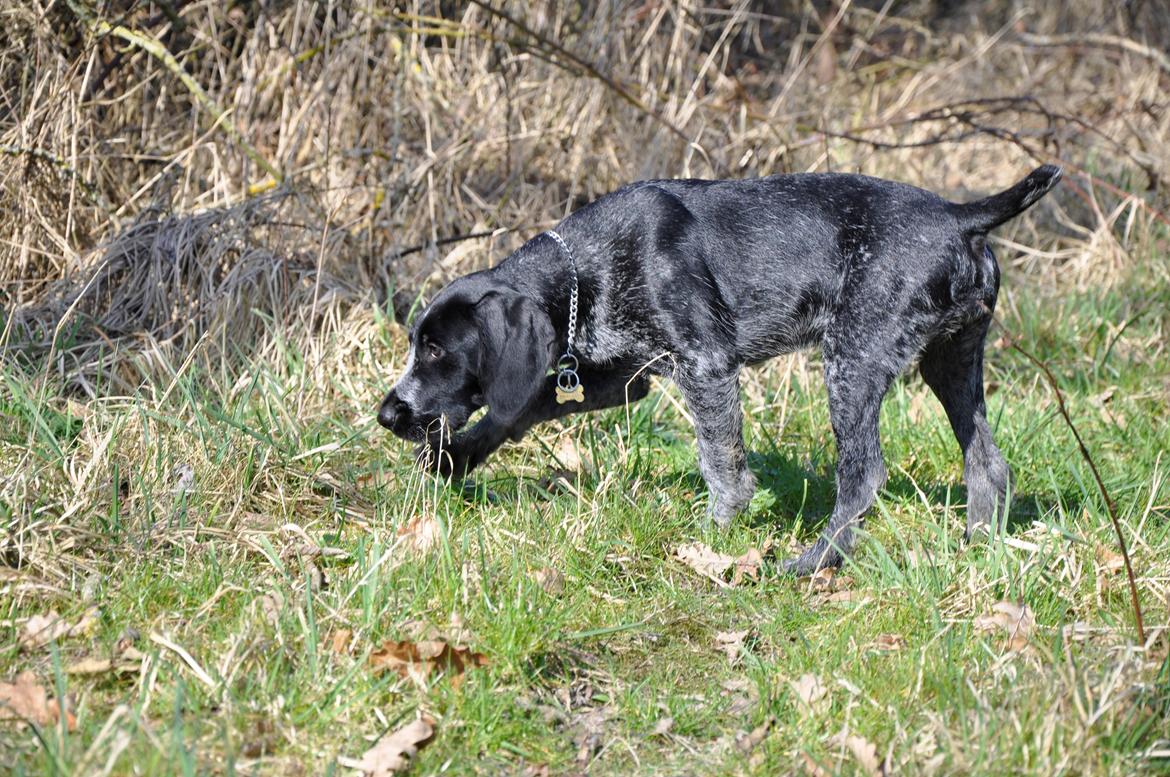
586,66
1109,504
1099,40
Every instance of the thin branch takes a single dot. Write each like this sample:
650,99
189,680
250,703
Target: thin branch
1109,505
586,66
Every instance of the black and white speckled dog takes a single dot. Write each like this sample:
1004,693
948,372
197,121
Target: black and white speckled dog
714,275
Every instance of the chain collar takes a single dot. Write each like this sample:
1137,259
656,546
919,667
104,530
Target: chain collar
569,386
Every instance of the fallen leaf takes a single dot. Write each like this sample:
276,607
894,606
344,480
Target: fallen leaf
812,694
748,565
1109,562
889,642
340,641
589,736
714,565
392,753
864,751
745,743
552,581
821,580
184,475
419,660
270,606
568,454
419,534
745,696
40,630
26,700
126,661
812,767
848,596
1014,619
705,561
731,643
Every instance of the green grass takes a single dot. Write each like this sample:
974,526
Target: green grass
289,534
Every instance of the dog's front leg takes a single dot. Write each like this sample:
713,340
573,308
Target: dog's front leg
466,451
713,399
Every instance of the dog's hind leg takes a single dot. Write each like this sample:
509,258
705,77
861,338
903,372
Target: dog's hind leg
953,368
856,388
713,399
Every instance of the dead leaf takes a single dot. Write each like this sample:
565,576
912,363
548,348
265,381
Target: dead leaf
1109,562
748,565
552,581
184,476
745,743
864,751
839,597
745,696
568,454
26,700
714,565
821,580
731,643
40,630
419,660
811,693
340,641
1014,619
270,606
419,534
392,753
889,642
812,767
589,733
128,661
705,561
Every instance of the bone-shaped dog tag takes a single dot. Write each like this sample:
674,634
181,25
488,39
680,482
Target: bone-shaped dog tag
576,395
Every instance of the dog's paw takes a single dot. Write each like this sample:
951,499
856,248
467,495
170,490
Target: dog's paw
808,563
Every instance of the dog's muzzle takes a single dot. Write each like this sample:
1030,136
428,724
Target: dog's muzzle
394,414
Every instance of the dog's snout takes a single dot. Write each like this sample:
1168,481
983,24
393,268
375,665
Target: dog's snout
391,411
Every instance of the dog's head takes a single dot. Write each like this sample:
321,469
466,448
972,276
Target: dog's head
478,343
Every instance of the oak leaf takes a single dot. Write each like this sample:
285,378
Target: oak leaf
392,753
811,693
1015,620
419,534
25,699
419,660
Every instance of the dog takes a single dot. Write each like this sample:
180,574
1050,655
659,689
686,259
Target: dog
693,280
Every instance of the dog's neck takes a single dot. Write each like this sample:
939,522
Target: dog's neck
552,287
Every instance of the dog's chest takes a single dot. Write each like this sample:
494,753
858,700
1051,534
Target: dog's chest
600,342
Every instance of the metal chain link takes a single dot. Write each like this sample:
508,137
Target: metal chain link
569,388
572,293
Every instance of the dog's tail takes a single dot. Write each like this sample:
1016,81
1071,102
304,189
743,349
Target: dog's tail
988,213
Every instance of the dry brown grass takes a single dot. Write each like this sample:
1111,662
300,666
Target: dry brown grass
144,238
396,129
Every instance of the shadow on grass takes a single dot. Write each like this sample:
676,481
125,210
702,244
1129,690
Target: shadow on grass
805,497
801,493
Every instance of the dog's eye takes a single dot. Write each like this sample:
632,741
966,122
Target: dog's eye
434,351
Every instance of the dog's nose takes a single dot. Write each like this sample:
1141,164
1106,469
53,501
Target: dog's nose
392,409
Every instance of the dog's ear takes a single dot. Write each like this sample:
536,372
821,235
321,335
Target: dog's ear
516,351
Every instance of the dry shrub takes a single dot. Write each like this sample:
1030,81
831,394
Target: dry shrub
399,131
